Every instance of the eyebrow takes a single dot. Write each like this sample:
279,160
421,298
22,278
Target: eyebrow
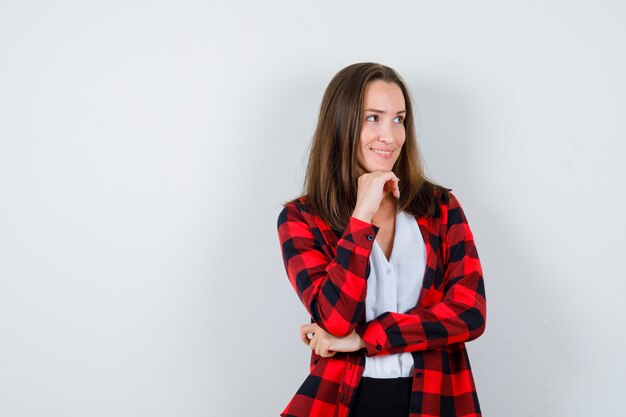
381,111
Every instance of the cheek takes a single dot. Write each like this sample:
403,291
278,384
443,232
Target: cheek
364,134
402,138
361,150
401,145
363,141
368,135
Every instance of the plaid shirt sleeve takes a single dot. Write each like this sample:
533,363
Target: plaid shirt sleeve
460,314
332,289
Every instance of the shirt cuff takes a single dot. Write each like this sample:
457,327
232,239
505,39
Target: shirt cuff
373,335
362,233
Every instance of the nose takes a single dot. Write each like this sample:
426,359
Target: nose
386,133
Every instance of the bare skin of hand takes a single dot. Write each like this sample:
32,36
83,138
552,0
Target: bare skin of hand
372,188
325,344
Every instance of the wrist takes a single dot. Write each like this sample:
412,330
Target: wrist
361,215
361,343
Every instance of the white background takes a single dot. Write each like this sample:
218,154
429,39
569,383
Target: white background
146,147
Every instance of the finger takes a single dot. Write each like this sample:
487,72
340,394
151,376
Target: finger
387,176
305,331
304,336
308,328
319,345
313,342
392,186
323,351
326,351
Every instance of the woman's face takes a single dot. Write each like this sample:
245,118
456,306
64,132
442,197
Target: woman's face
382,127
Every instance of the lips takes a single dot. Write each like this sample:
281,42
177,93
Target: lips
383,153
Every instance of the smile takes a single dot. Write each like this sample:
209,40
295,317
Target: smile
382,154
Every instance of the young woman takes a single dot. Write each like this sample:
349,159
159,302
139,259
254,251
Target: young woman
384,262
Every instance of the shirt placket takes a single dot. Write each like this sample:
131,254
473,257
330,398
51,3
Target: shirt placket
391,304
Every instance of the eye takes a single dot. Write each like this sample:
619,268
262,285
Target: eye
398,119
372,118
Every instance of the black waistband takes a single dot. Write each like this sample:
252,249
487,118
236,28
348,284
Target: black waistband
384,390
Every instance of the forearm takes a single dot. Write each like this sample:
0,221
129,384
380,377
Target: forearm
332,289
453,312
444,323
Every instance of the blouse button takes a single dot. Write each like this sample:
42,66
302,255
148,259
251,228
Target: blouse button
370,237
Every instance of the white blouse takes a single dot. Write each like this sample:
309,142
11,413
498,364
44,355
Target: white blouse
394,285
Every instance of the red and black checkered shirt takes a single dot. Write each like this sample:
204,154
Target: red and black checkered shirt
329,272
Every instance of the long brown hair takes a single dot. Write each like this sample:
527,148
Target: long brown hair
330,184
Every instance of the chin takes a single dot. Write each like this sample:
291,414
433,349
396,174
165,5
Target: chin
377,166
380,167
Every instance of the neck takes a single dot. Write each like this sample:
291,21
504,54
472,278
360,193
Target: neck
389,204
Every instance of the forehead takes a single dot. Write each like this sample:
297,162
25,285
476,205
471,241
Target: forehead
383,94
